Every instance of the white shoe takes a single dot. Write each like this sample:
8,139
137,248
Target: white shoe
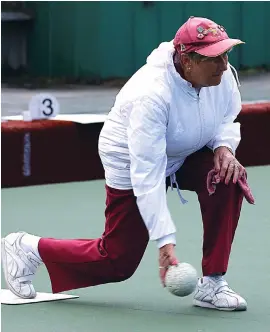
214,293
19,267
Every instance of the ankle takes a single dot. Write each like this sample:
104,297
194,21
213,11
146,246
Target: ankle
29,243
214,277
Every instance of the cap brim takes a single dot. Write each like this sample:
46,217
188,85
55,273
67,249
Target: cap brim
219,47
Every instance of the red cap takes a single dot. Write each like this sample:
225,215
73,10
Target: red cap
204,37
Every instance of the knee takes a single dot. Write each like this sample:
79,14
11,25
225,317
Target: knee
124,268
124,265
228,191
124,275
125,257
233,188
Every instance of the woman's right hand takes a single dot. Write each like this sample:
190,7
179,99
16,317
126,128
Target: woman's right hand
166,258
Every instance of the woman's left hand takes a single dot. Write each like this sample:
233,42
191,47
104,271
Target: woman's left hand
227,165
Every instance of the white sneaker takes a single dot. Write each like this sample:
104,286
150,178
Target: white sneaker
214,293
19,267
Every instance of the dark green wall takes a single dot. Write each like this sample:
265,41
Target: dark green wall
112,39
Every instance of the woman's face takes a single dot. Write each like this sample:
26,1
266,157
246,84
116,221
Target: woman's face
207,71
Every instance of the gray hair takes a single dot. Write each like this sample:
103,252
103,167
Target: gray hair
196,57
193,56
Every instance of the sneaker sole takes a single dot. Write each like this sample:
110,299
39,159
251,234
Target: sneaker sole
4,264
202,304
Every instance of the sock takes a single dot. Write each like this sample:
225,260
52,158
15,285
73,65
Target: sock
213,276
29,242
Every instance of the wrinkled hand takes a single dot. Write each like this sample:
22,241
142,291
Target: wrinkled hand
166,258
227,165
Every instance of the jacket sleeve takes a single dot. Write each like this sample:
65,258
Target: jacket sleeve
228,133
146,133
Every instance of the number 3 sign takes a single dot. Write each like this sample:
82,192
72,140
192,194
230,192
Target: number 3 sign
43,106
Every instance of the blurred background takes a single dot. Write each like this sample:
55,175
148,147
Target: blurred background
82,52
49,44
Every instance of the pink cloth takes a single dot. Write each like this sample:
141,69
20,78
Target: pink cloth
203,36
213,180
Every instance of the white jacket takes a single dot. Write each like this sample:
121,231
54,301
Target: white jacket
158,119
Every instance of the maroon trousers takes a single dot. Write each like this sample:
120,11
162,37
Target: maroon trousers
116,255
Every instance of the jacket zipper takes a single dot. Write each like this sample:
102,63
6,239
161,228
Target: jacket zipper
201,122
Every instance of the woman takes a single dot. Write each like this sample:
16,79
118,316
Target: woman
172,123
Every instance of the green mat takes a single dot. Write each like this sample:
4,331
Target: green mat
140,304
